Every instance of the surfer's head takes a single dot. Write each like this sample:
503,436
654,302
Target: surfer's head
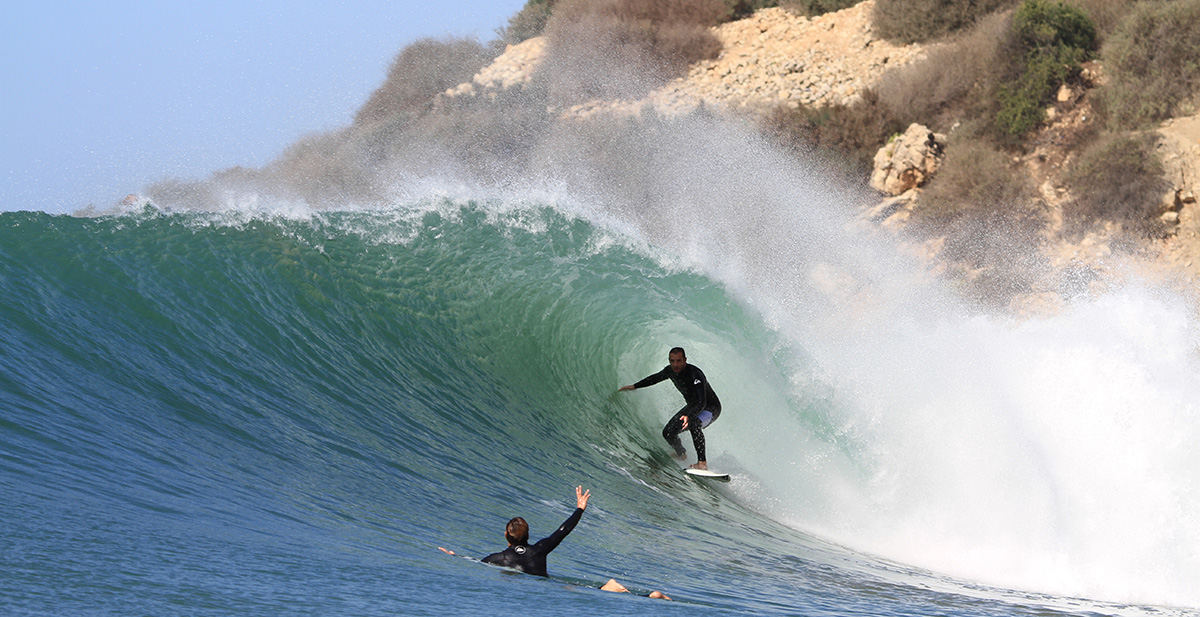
517,531
677,359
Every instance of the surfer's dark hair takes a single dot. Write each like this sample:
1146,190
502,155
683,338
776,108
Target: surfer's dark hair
517,531
678,350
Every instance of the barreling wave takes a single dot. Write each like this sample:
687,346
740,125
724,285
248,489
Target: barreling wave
215,394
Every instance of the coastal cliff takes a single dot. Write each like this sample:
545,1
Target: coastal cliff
776,59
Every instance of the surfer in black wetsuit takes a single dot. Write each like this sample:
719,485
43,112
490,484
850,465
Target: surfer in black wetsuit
532,559
701,409
520,555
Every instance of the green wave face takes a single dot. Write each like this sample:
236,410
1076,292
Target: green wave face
291,413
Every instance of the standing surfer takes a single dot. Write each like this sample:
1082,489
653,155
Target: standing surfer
701,409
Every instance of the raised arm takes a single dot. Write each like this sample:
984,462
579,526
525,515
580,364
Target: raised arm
548,543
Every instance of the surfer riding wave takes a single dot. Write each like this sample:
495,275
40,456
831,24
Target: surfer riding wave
702,406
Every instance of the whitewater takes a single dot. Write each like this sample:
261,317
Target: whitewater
277,409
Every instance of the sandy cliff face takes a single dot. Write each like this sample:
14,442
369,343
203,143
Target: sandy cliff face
776,57
1179,147
769,58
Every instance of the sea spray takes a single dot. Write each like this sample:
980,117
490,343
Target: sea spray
1052,455
875,409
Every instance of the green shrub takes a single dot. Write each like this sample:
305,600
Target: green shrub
1153,63
1049,40
916,21
1120,179
1023,101
1055,29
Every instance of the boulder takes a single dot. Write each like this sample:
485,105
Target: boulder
893,212
908,160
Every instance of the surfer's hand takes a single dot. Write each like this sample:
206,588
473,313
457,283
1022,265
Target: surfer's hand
685,421
625,388
581,497
448,552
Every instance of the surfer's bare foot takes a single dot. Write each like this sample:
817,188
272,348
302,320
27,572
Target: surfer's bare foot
700,465
679,457
613,585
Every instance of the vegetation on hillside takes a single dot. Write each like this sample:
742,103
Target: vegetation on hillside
624,48
850,134
534,17
1047,43
420,72
987,82
918,21
529,22
1153,59
1117,178
989,85
987,209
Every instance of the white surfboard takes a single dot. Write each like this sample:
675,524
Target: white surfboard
710,475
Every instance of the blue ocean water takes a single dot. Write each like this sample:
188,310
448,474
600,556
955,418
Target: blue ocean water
266,414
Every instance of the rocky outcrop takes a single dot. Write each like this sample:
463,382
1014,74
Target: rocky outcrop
775,57
1179,147
908,161
1179,150
514,67
893,212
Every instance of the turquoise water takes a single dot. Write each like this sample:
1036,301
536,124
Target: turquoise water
230,414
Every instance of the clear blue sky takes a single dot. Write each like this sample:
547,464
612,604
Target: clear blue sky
100,99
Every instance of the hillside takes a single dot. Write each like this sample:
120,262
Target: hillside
776,58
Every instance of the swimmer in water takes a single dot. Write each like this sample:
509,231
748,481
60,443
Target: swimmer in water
531,559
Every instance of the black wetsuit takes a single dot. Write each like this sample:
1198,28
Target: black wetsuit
532,559
698,395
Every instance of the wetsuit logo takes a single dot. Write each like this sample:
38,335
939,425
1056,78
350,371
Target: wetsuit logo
696,383
519,549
